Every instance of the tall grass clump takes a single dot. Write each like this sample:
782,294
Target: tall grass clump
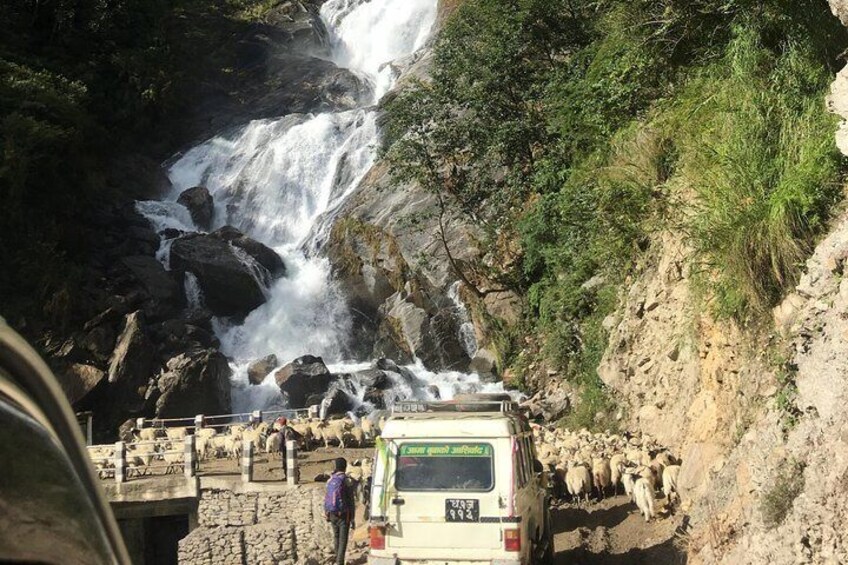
759,159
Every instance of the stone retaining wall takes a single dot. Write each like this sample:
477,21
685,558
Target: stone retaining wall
285,526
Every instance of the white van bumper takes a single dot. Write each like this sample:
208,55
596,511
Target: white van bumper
373,560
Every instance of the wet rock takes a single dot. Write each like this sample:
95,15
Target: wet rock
178,335
374,378
126,429
259,369
193,383
485,365
376,397
548,407
99,342
434,339
134,360
230,287
172,233
303,377
448,352
260,252
166,295
385,364
79,380
339,402
200,205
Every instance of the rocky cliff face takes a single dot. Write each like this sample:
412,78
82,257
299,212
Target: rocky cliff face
759,420
390,249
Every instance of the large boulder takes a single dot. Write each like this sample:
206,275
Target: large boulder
179,334
416,332
165,295
448,352
196,382
260,252
373,378
376,397
485,364
229,285
259,369
339,402
305,376
78,380
134,362
200,206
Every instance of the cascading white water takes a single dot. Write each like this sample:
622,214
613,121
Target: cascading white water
467,335
276,178
362,42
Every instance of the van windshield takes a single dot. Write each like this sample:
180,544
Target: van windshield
445,466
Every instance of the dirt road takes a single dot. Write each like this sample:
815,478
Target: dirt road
612,532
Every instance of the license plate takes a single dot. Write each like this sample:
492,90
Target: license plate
462,510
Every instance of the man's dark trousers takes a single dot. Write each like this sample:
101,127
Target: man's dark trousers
341,529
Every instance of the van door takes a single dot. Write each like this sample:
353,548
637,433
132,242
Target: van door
444,497
527,493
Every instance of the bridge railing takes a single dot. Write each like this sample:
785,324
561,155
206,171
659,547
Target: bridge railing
221,421
161,456
185,449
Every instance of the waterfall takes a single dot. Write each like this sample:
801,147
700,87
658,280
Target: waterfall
280,180
467,335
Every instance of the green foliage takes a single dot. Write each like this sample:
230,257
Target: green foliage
583,129
757,151
83,82
786,484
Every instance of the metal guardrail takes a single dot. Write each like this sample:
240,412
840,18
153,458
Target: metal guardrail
224,419
427,406
122,460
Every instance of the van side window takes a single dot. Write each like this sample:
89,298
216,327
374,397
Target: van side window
518,464
524,468
529,457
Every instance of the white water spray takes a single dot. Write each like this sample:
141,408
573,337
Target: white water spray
280,180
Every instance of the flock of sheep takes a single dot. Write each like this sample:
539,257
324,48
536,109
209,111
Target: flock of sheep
578,463
154,444
582,463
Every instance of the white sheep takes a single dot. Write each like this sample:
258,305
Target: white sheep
368,428
643,492
669,484
578,480
103,459
616,470
601,475
204,433
334,430
175,434
358,435
274,443
148,434
174,457
628,480
140,456
233,446
256,435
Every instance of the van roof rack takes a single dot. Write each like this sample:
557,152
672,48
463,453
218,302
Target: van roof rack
482,405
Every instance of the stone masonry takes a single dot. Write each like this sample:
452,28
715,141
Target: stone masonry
283,526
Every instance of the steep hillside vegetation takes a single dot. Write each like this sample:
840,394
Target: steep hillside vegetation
576,134
93,96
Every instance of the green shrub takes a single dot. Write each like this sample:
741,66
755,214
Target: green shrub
757,153
786,484
584,129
